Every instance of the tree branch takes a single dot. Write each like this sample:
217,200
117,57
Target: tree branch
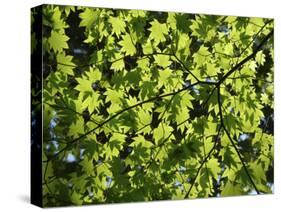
184,66
120,112
233,144
249,76
203,162
260,30
236,67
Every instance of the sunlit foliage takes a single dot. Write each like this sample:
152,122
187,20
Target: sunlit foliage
142,105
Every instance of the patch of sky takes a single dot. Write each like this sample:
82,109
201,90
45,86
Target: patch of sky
82,153
179,185
210,80
70,158
182,169
79,51
196,90
224,29
186,84
108,181
55,143
243,137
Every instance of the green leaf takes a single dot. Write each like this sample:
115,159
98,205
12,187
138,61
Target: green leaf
118,63
158,31
204,27
114,96
65,64
88,17
210,129
140,140
87,164
76,198
127,45
147,47
144,120
164,75
260,58
183,44
76,128
118,25
253,65
114,145
214,167
91,102
162,60
259,173
84,85
212,70
57,21
201,55
232,189
94,74
58,41
162,132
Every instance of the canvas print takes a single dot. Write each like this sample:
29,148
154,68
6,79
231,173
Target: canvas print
133,105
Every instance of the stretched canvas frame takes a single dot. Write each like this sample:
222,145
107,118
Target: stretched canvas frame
132,105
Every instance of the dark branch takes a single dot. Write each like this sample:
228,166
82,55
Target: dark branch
184,66
260,30
233,144
236,67
203,162
120,112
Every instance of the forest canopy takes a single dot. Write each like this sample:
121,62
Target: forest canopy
145,105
